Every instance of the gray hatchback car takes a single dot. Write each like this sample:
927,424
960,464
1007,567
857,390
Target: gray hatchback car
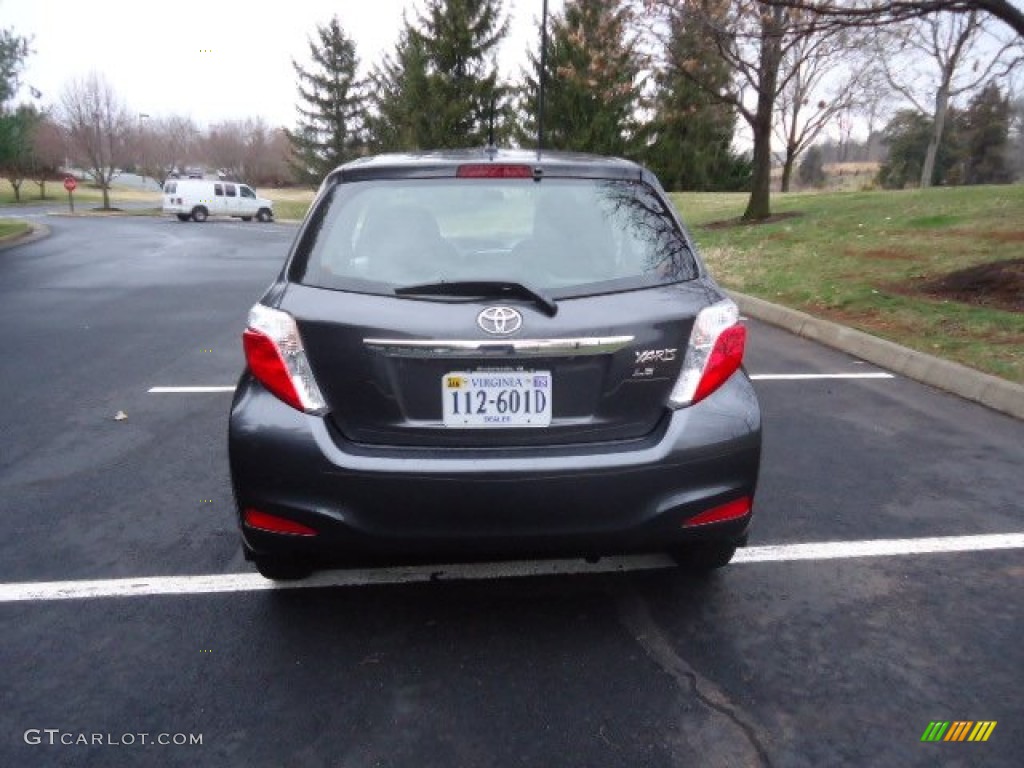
487,353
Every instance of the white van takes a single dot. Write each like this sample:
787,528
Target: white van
198,199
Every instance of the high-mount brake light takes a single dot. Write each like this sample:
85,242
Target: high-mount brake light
494,171
714,353
276,357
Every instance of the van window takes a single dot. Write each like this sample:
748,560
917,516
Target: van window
230,190
170,187
246,192
218,190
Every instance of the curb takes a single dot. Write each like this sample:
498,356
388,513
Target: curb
991,391
35,232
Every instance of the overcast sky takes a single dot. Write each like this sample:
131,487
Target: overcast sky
213,59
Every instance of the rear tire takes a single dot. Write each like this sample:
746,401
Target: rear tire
183,217
264,215
199,214
281,568
247,218
704,556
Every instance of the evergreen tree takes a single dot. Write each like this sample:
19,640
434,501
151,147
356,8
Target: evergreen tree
437,90
592,90
13,51
401,119
907,135
330,130
812,169
19,159
986,129
689,139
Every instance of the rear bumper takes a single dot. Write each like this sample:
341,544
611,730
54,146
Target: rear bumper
581,499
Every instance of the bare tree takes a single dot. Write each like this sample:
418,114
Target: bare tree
819,90
280,160
48,146
938,58
240,148
755,41
98,126
223,147
165,144
1016,149
848,13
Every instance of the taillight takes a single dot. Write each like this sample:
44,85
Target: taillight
264,521
276,357
730,511
714,353
494,171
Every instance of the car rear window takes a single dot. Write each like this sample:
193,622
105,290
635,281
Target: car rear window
563,236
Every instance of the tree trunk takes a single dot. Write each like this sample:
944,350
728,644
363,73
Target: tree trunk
16,186
938,124
759,205
105,187
787,169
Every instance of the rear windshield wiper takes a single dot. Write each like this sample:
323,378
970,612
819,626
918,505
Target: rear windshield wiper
490,288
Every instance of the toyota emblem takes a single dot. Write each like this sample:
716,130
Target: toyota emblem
499,321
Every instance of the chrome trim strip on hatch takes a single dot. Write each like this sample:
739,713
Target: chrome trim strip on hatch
600,345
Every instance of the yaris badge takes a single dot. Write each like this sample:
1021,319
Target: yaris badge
499,321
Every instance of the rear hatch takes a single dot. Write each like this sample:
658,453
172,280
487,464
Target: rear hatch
493,304
386,366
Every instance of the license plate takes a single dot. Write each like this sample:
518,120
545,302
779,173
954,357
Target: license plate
472,399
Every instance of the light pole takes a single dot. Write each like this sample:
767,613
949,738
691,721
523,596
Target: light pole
142,147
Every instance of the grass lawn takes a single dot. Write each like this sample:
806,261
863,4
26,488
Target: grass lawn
288,203
868,260
84,195
10,227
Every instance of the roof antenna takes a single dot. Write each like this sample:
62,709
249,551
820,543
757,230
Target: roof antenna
542,76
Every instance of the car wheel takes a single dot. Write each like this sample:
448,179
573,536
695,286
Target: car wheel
247,218
281,568
183,217
199,213
264,215
704,556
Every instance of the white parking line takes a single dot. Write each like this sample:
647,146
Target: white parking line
251,582
812,376
754,377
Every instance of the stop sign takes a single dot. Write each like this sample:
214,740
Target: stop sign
70,184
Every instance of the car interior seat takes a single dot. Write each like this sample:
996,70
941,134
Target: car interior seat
571,241
403,244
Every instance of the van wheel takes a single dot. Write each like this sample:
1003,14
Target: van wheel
199,213
264,215
247,218
183,217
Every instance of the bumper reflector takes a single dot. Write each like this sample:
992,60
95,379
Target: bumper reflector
263,521
728,511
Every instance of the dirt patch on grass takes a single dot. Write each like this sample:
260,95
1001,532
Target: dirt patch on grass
885,254
997,284
1005,237
741,222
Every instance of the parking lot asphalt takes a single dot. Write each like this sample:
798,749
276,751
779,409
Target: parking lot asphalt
809,663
